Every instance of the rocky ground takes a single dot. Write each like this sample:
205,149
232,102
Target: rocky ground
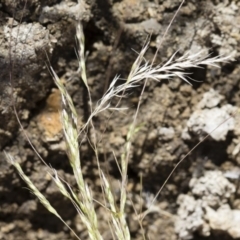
201,199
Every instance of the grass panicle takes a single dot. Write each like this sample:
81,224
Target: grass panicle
69,123
36,192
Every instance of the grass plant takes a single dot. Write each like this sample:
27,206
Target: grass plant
141,72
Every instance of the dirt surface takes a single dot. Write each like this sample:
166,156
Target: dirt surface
201,199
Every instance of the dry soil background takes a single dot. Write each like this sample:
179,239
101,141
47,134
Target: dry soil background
201,200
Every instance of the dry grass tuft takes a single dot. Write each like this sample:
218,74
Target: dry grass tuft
83,202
